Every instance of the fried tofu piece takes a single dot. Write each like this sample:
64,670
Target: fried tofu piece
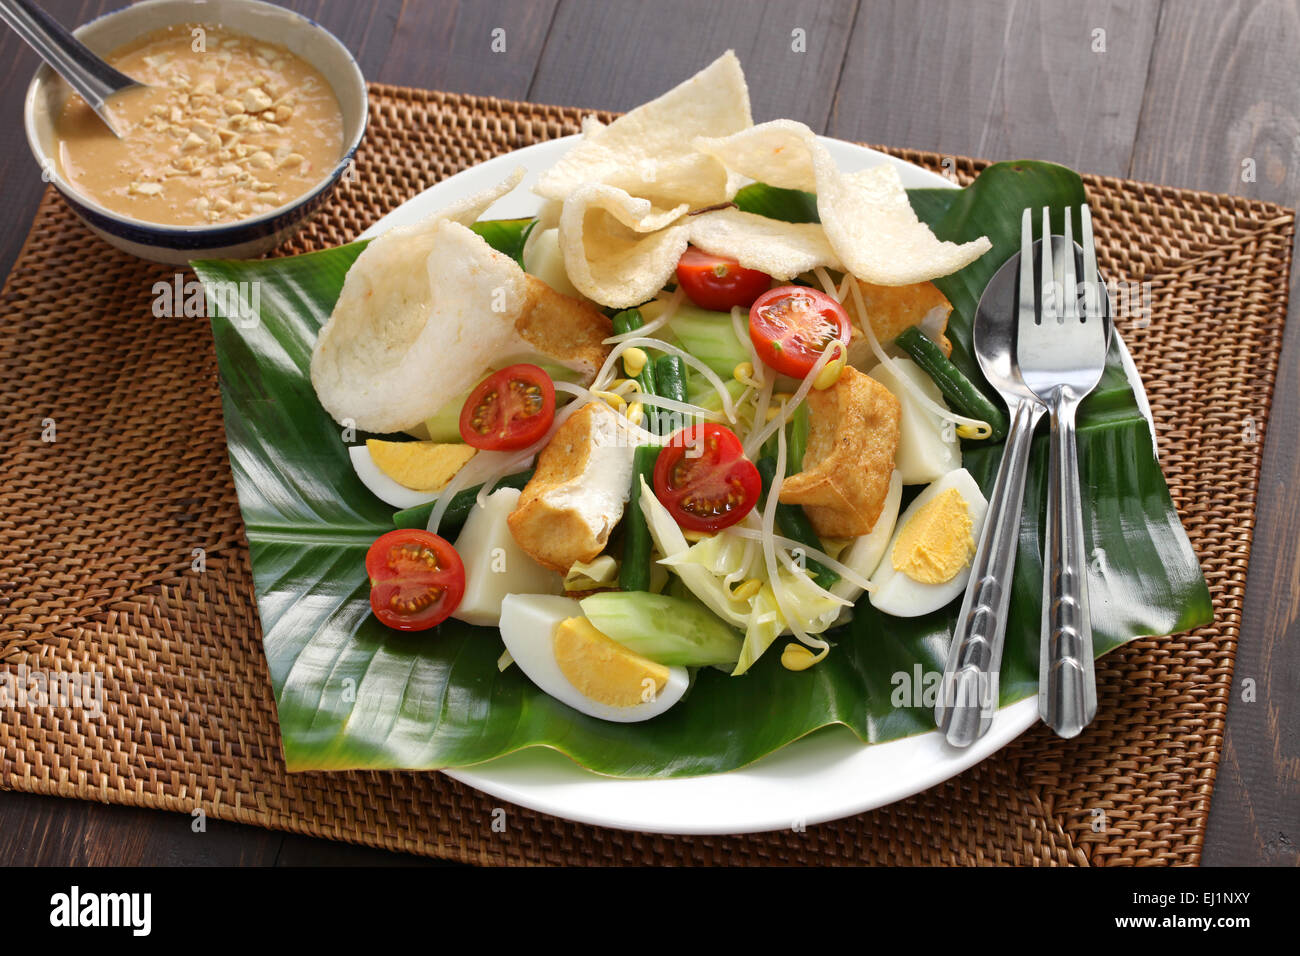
852,436
564,328
577,493
891,309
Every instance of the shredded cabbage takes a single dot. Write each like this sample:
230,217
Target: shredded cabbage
781,590
765,626
701,581
821,557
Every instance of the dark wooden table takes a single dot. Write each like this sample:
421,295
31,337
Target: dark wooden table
1181,92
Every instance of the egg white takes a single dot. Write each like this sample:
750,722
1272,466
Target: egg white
528,623
897,594
381,486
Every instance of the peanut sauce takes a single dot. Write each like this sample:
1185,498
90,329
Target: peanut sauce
228,127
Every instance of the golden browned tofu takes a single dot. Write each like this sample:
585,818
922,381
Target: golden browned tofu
852,436
563,327
577,493
892,309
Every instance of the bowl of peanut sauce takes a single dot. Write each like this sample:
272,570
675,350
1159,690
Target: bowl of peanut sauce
248,118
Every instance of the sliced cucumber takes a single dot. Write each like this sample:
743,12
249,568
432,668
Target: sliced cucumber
445,426
709,336
700,392
669,630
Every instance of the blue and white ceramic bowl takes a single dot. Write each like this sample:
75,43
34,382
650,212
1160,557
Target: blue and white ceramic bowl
237,240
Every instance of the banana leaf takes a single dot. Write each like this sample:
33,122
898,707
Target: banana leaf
353,694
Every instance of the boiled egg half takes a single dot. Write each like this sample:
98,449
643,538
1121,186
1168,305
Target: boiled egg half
561,652
927,562
407,473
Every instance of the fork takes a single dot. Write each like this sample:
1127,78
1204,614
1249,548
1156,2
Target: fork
1061,353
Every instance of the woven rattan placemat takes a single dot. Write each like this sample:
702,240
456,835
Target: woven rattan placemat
98,529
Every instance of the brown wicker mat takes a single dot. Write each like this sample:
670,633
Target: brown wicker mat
98,529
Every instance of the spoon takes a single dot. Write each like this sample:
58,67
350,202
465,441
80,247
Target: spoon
84,71
968,694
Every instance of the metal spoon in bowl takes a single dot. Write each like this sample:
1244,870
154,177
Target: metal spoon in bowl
84,71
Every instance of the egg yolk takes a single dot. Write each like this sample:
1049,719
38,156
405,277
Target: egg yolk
604,670
419,465
936,543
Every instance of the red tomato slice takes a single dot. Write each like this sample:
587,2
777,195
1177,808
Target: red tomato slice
718,283
704,479
791,325
416,579
509,409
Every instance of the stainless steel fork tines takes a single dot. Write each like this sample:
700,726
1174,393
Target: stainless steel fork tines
1061,353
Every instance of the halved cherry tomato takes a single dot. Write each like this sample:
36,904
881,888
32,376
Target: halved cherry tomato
510,409
718,283
416,579
704,479
792,325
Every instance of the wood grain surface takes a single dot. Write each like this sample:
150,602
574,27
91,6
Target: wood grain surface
1221,112
1058,81
1194,93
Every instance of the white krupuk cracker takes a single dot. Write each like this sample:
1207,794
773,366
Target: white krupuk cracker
619,250
419,320
648,152
866,215
777,153
781,249
428,309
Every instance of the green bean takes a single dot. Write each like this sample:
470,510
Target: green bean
630,320
635,572
797,441
670,382
626,321
966,398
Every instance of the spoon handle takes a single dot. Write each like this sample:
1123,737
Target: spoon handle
84,71
968,695
1067,686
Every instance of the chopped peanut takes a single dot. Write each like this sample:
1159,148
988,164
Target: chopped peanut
228,131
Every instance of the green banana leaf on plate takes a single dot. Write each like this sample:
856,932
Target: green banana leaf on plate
352,694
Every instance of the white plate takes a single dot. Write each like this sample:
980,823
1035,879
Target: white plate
825,776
